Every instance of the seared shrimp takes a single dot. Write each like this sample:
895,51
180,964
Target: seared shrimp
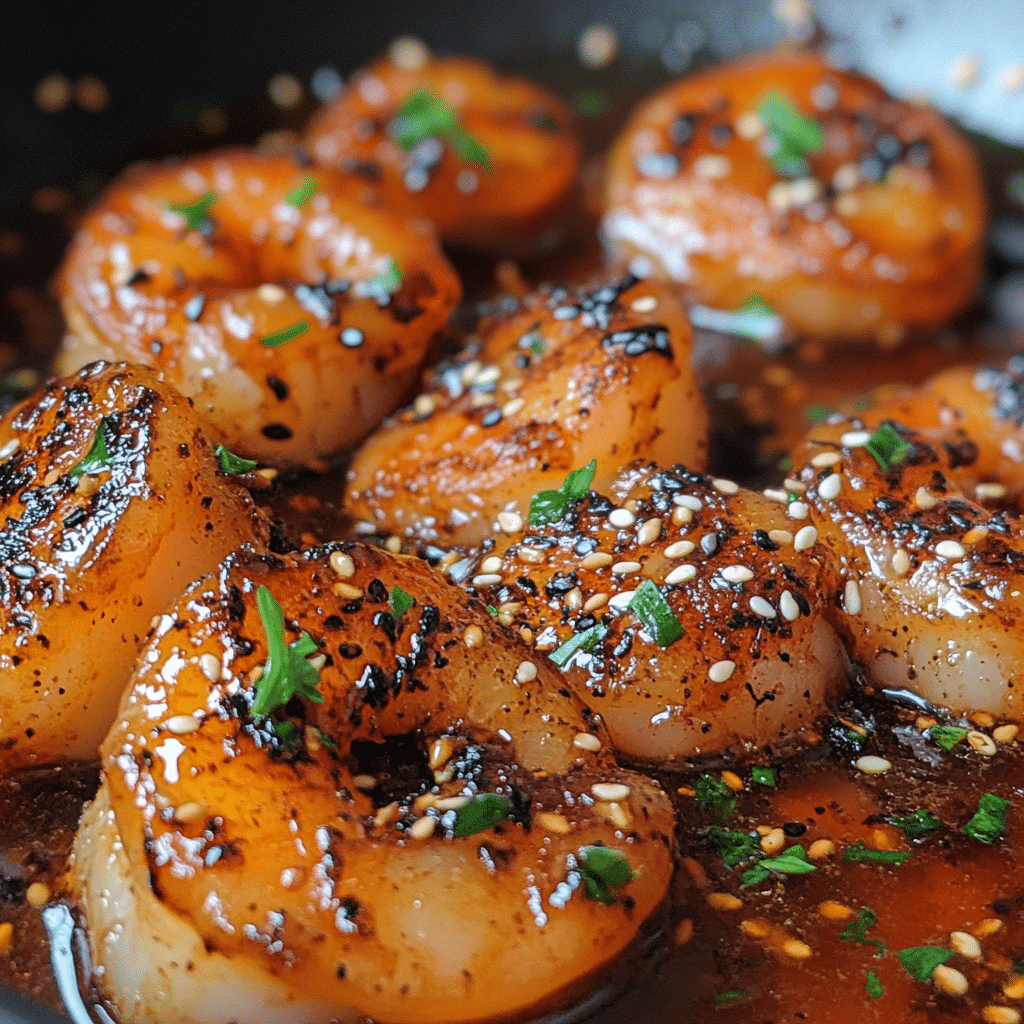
113,502
489,160
249,858
565,378
780,177
294,315
688,610
926,575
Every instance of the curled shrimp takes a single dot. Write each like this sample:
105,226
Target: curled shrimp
490,160
113,502
564,378
850,213
742,658
301,877
291,313
925,572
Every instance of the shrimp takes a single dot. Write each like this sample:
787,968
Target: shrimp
781,178
562,379
113,501
294,315
689,611
925,573
405,835
491,161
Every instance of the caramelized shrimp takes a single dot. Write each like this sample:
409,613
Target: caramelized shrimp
850,213
295,316
489,160
564,378
113,501
688,610
268,863
926,575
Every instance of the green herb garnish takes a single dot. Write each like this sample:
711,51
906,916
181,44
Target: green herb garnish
590,102
989,819
816,414
386,283
875,990
735,848
197,213
585,641
920,961
288,334
424,115
790,862
917,824
762,775
547,506
889,447
727,1000
648,605
602,868
231,464
858,853
714,796
947,736
303,191
796,135
325,739
484,811
399,602
97,459
857,930
491,610
287,673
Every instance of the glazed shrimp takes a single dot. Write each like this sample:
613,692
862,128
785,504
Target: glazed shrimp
926,575
754,664
565,378
248,863
113,502
852,214
294,315
489,160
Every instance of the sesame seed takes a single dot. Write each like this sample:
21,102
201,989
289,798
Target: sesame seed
846,177
851,598
733,781
492,564
486,579
610,792
594,602
981,743
534,556
780,196
621,518
690,501
626,567
949,550
648,531
736,574
982,719
725,486
512,406
756,928
586,741
796,950
180,725
644,304
804,191
724,901
424,406
805,538
780,536
900,562
393,544
473,636
855,438
680,549
975,535
1005,733
871,764
966,945
342,564
983,491
950,980
798,510
749,125
6,937
924,499
681,574
820,849
712,167
37,894
573,599
682,516
191,812
776,494
271,293
364,783
347,591
993,1014
510,522
441,751
9,448
423,828
621,600
773,841
989,926
552,822
526,672
833,911
596,560
722,670
794,485
1013,987
830,487
209,665
759,606
823,459
788,606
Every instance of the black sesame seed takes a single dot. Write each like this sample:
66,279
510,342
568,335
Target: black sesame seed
763,541
277,432
278,386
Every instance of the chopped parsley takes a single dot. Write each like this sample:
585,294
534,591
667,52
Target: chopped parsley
425,115
585,641
858,853
817,413
197,213
762,775
734,847
484,811
947,736
714,796
989,820
590,102
875,989
399,602
385,284
796,135
601,869
857,930
790,862
547,506
303,191
231,464
651,608
920,961
889,447
287,673
917,824
727,1000
288,334
97,459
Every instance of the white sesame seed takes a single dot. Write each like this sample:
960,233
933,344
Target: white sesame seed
424,405
823,459
830,487
596,560
966,945
680,549
900,562
983,491
209,664
272,293
721,670
950,980
532,555
191,812
798,510
342,564
924,499
712,166
451,803
788,606
796,486
780,196
759,606
871,764
423,828
846,177
776,494
621,600
981,743
851,598
780,536
182,724
644,304
473,636
491,564
512,406
486,579
648,531
626,567
725,486
594,602
950,550
805,539
526,672
610,792
9,448
749,125
586,741
621,518
690,501
804,191
856,438
681,574
736,574
510,522
682,516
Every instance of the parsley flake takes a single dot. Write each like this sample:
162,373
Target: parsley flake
547,506
889,447
917,824
762,775
875,989
947,736
857,930
231,464
651,608
714,796
197,213
385,284
425,115
727,1000
287,673
484,811
303,191
989,820
858,853
97,459
920,961
796,136
735,848
602,868
793,861
585,641
399,602
288,334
